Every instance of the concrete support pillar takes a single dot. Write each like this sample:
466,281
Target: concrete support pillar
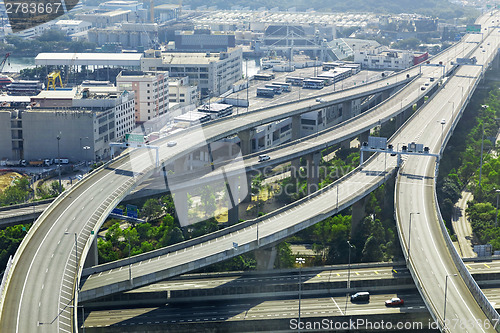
496,62
181,207
358,213
296,127
295,168
265,258
180,165
313,172
346,144
400,119
233,216
248,198
363,137
92,257
385,94
346,110
245,142
233,201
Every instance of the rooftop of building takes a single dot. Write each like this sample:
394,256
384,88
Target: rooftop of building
56,94
86,59
69,22
190,58
140,74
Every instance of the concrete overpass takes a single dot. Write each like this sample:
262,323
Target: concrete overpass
100,193
433,261
233,298
198,253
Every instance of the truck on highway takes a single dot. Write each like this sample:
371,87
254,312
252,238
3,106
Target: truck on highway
36,163
13,163
63,161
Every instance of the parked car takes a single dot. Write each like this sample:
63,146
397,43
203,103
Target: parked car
395,301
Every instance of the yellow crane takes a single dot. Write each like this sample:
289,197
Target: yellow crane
52,79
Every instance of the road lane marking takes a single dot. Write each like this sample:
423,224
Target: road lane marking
338,307
486,266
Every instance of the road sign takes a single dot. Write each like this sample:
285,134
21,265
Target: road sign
117,211
473,28
377,142
132,211
132,137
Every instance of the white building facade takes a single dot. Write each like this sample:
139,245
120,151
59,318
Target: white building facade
151,91
213,73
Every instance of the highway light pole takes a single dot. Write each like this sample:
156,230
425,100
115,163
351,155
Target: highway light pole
445,295
300,261
409,235
348,277
129,264
481,163
443,122
496,212
59,161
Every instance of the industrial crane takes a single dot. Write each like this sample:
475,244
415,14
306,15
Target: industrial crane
52,78
4,60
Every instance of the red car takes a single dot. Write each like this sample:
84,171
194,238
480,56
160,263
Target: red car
394,302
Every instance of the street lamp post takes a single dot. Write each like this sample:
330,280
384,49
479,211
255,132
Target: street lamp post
348,277
409,235
86,149
129,264
445,295
59,161
443,122
496,212
300,261
481,163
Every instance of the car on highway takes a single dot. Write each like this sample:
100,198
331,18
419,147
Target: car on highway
171,143
263,158
395,301
423,87
362,296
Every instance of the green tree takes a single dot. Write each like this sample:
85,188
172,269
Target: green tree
284,258
151,210
372,250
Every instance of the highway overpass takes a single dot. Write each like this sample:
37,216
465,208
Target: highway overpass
233,298
91,200
433,261
273,227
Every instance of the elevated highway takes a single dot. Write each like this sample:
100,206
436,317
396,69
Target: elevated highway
50,245
272,228
433,261
228,298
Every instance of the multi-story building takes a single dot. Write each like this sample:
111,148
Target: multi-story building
181,92
151,92
204,40
213,73
384,59
88,117
73,26
129,35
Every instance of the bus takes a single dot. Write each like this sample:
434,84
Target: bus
295,81
265,92
264,77
284,86
326,80
277,89
314,84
